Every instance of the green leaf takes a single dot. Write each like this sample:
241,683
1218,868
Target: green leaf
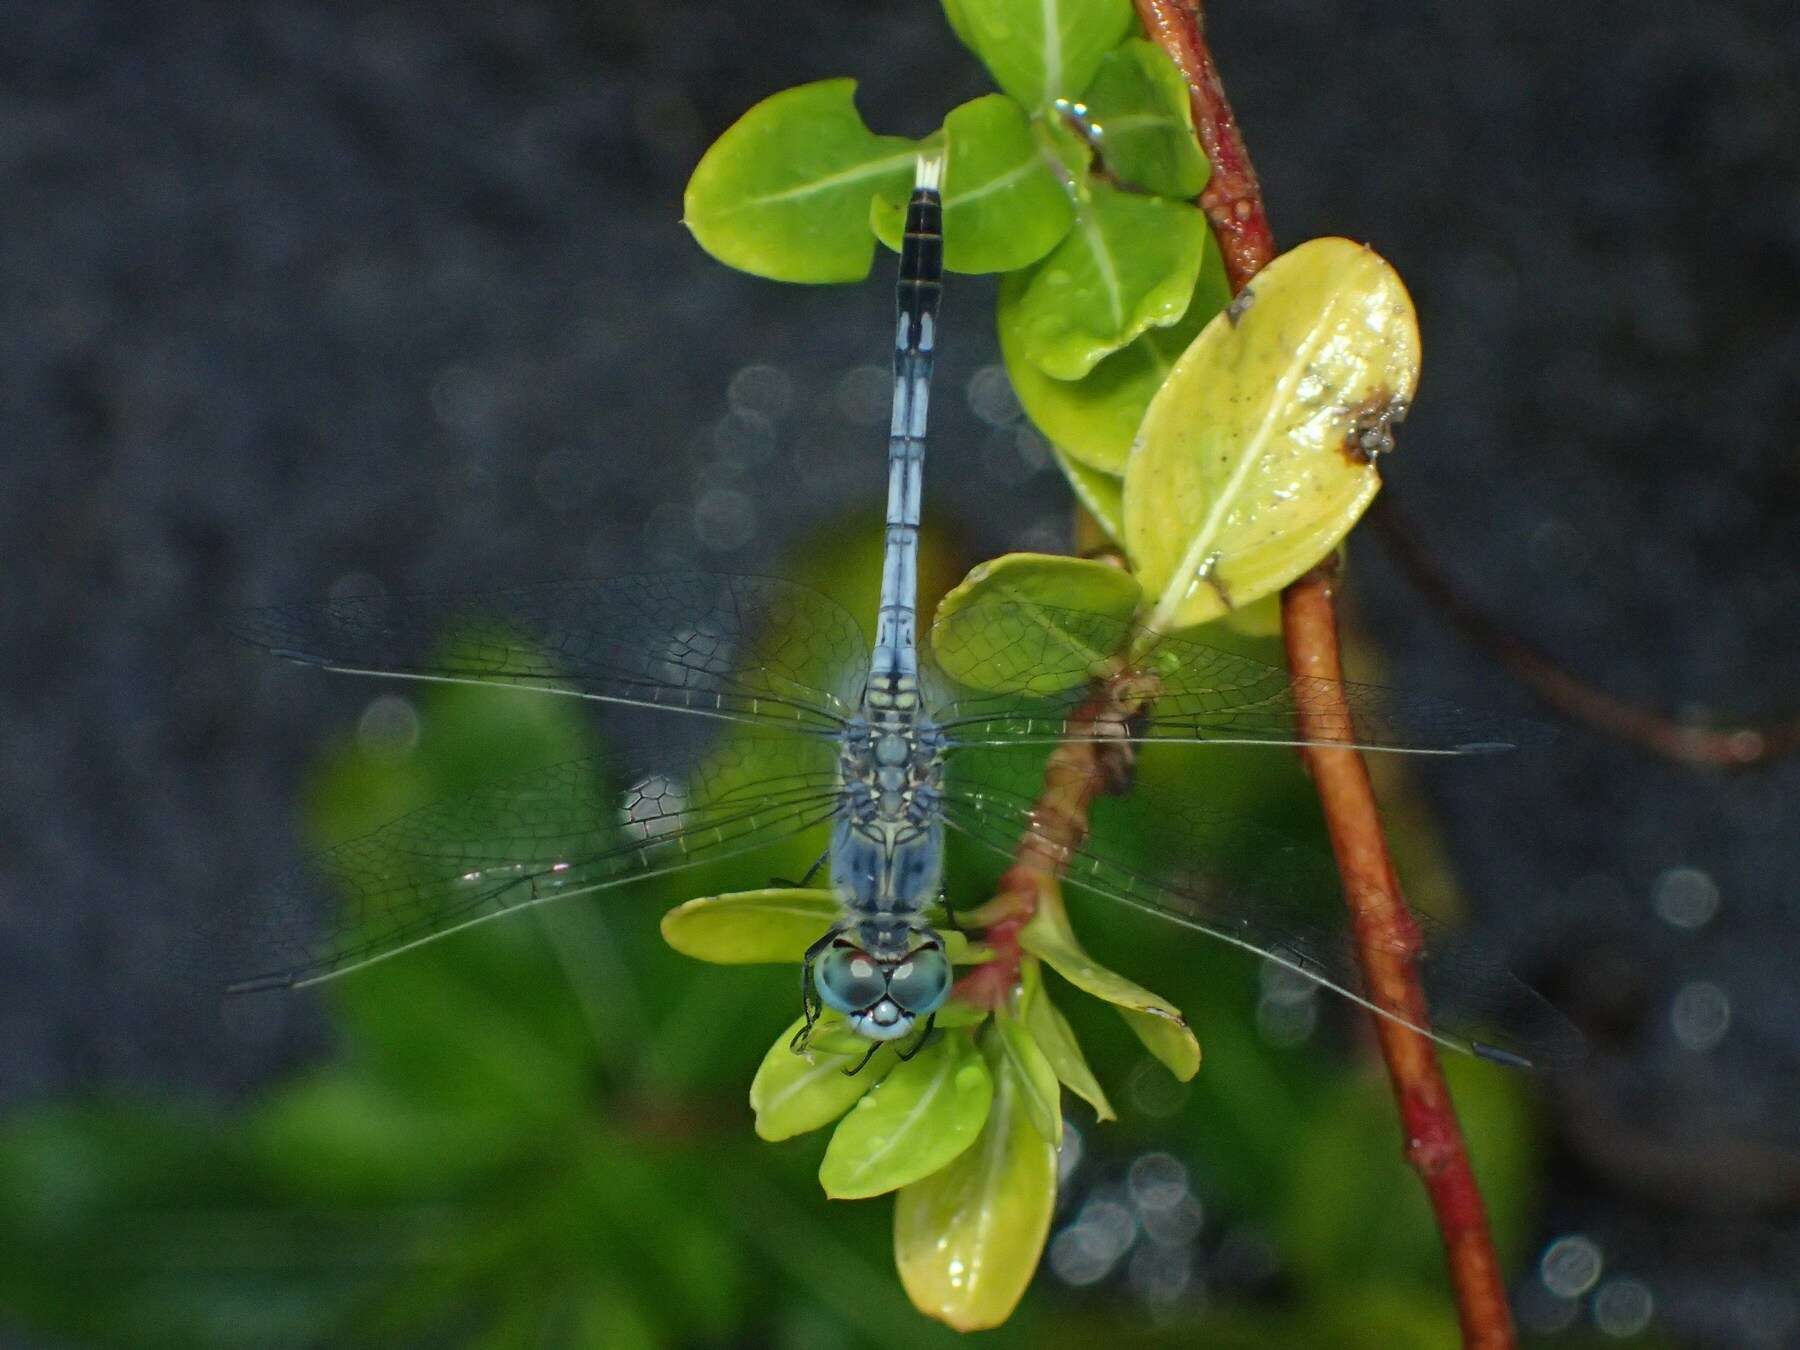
968,635
959,23
785,192
1004,207
1043,579
794,1093
1138,107
1040,50
751,927
1258,619
916,1120
771,926
1157,1022
1130,263
1250,464
835,1036
1056,1038
967,1238
956,1013
1094,419
1040,1092
1102,494
1172,1042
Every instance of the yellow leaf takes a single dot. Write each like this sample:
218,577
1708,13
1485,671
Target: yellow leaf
1043,1092
770,926
793,1093
917,1119
1033,623
751,927
1157,1022
967,1238
1101,493
1253,460
1056,1038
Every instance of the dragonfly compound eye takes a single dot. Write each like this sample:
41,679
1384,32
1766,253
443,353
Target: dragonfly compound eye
921,983
849,979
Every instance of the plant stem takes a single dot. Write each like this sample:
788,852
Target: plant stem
1232,198
1386,937
1386,941
1080,768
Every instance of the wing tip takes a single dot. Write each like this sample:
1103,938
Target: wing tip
1495,1054
259,984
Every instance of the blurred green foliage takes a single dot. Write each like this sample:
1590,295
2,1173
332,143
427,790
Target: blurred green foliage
536,1133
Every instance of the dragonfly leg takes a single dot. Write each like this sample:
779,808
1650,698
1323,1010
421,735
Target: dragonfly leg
806,880
919,1044
905,1055
863,1063
810,1005
950,920
809,1011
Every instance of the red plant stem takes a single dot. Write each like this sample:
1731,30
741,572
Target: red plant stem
1386,937
1079,769
1387,941
1232,198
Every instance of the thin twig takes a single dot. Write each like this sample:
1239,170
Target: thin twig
1080,768
1232,198
1386,938
1706,747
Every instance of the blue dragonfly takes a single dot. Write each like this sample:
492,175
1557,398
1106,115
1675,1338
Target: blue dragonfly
880,750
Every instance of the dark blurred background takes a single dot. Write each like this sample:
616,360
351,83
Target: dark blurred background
301,298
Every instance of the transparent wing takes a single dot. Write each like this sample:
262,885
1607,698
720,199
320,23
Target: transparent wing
741,648
1030,667
565,830
1274,897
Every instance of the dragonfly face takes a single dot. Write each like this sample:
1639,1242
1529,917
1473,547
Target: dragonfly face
883,977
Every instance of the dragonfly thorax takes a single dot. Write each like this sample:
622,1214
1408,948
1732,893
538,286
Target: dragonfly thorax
887,846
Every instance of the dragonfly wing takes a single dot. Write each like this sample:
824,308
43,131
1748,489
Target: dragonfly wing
1262,905
564,830
1031,667
743,648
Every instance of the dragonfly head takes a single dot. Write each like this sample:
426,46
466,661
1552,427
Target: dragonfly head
883,977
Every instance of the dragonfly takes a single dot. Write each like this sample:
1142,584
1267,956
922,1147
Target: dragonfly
882,750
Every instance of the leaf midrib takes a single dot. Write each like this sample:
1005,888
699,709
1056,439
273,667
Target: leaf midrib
814,186
1182,581
945,1074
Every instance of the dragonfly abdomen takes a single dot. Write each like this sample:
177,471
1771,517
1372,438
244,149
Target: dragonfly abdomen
920,285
